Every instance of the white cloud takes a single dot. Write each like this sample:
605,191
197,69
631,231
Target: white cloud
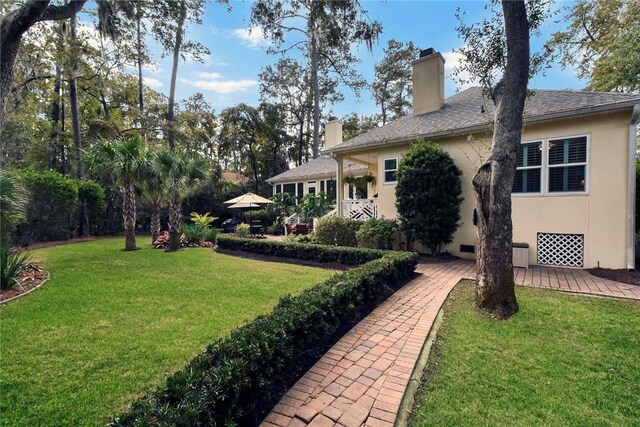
212,76
251,37
452,61
215,82
225,86
152,83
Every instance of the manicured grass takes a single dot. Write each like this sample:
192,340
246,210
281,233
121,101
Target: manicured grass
563,360
112,324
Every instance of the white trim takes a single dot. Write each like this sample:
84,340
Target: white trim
631,190
384,171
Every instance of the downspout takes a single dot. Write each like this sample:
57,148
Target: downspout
631,186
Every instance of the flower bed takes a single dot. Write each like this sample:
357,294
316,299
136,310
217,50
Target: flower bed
237,379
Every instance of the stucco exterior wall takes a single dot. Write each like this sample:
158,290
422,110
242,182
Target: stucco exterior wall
600,214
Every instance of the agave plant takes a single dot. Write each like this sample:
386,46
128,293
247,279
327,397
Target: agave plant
12,263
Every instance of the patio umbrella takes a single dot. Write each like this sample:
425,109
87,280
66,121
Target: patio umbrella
249,198
244,205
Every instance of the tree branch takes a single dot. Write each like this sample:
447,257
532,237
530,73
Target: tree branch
58,13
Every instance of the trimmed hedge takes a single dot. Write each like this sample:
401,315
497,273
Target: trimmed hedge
238,379
304,251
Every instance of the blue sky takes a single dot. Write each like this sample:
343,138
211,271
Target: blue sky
230,74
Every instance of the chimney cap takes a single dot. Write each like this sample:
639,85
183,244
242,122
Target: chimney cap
427,52
332,118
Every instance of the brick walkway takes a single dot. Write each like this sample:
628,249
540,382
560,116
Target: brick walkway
361,380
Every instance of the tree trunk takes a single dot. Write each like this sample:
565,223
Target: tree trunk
175,214
55,121
494,181
139,55
155,222
73,100
174,75
12,28
315,147
129,216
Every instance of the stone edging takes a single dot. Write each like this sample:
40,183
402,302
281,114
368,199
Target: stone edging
28,292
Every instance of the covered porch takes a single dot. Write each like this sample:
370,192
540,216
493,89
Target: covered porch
357,195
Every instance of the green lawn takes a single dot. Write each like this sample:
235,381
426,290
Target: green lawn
563,360
111,324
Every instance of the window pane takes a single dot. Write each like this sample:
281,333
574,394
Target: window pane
300,190
390,164
278,188
331,190
570,150
527,181
290,189
568,178
322,186
530,154
390,176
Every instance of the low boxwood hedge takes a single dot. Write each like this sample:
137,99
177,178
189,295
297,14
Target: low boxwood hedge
284,249
239,378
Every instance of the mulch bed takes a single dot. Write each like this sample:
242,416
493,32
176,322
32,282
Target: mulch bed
40,245
34,276
249,255
618,275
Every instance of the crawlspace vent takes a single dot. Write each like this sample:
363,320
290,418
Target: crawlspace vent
566,250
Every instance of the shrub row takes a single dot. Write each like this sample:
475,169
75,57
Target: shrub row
309,252
236,380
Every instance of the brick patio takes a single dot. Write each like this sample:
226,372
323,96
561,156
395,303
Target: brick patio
361,380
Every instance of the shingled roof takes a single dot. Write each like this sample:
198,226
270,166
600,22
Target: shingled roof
322,167
471,111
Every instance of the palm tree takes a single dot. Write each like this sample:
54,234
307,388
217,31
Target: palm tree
184,175
154,191
124,160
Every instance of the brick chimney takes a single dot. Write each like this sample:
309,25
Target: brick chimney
428,82
332,133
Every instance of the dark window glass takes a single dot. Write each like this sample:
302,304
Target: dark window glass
567,178
290,189
300,190
530,154
390,164
389,176
570,150
278,188
322,186
331,190
527,181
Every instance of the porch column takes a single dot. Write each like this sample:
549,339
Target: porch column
339,186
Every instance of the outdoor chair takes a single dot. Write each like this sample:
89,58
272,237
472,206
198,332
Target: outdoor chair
256,228
301,229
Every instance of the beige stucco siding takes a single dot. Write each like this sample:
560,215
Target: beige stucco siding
600,214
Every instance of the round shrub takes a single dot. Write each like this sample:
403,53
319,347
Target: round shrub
377,233
337,231
428,195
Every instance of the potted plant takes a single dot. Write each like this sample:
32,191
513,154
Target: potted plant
349,179
370,179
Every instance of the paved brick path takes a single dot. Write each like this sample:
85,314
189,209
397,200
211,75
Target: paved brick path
361,380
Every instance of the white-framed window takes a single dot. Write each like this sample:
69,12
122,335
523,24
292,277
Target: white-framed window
529,174
567,165
390,170
553,166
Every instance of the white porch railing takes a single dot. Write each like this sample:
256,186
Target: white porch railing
292,220
360,210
